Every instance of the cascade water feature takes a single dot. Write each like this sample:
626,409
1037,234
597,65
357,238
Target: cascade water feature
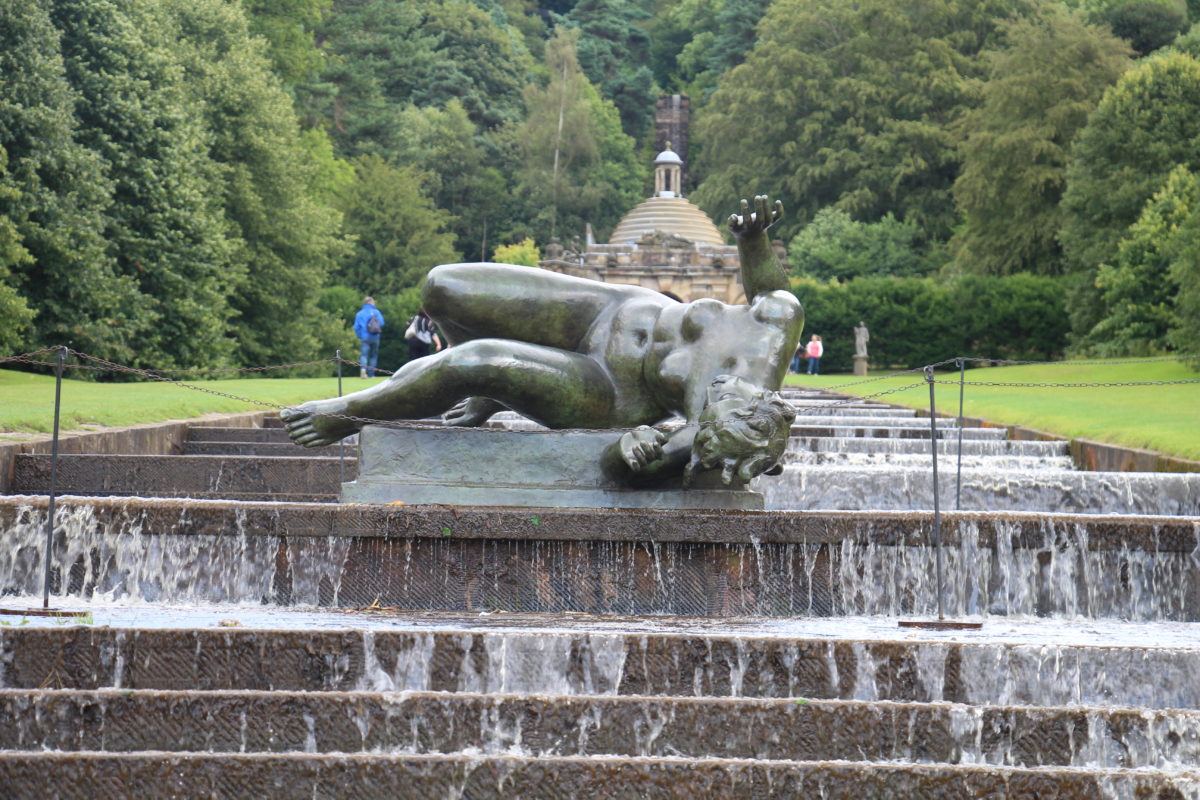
841,459
1016,567
787,677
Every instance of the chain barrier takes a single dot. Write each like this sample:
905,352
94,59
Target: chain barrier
113,366
26,357
1082,385
1003,362
159,375
356,365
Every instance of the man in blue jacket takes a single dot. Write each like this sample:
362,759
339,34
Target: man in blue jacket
368,324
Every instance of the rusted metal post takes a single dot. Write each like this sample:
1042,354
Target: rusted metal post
58,373
341,445
962,368
937,511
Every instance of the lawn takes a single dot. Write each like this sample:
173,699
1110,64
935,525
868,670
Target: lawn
1159,417
27,401
1163,417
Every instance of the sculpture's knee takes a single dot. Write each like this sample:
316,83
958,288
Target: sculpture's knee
479,353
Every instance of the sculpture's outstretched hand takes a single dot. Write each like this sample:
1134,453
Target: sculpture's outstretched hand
641,446
757,221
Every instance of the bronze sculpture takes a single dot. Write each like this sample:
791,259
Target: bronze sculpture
574,353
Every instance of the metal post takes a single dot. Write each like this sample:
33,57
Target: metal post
962,368
937,511
58,373
341,445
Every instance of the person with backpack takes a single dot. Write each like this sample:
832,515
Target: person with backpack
368,325
421,336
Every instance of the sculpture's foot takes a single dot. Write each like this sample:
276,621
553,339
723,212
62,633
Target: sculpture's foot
472,412
309,424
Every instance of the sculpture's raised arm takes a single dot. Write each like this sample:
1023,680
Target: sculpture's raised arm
761,270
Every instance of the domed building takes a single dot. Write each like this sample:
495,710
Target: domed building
665,244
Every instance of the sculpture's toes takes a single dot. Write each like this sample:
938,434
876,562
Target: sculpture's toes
470,413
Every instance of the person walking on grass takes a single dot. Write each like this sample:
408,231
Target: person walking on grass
815,350
368,325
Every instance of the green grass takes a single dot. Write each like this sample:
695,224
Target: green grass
1162,418
27,401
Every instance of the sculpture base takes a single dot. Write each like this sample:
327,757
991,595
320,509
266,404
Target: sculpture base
860,365
487,467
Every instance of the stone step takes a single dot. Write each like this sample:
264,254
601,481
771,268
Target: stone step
802,487
563,656
947,446
797,729
838,420
274,449
215,434
922,459
706,563
852,429
855,411
89,775
296,478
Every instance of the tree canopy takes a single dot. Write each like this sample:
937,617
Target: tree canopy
194,183
1044,78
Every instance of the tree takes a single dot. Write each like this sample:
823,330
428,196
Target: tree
1143,128
288,27
1146,25
1042,83
399,234
849,104
694,42
614,51
15,314
835,246
384,55
524,252
54,197
578,165
1155,267
164,225
285,243
442,143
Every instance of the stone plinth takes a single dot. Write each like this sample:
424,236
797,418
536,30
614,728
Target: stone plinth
860,365
487,467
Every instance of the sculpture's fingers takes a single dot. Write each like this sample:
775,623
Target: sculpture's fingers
763,204
778,212
629,452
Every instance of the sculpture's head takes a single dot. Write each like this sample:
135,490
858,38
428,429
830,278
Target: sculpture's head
743,430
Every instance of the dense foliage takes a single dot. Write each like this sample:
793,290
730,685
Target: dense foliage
199,183
915,321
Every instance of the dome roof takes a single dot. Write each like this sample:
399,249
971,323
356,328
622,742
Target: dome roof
668,156
673,215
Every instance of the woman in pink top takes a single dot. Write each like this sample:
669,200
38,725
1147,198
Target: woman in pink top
815,351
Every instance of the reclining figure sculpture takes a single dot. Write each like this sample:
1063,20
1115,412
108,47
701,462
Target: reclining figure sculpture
569,352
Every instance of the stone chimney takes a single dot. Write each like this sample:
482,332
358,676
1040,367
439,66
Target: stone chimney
671,125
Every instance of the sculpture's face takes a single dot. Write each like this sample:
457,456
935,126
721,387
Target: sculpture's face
743,430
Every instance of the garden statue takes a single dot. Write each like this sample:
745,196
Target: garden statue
861,337
569,352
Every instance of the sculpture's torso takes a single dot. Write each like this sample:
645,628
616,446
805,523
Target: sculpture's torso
663,355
